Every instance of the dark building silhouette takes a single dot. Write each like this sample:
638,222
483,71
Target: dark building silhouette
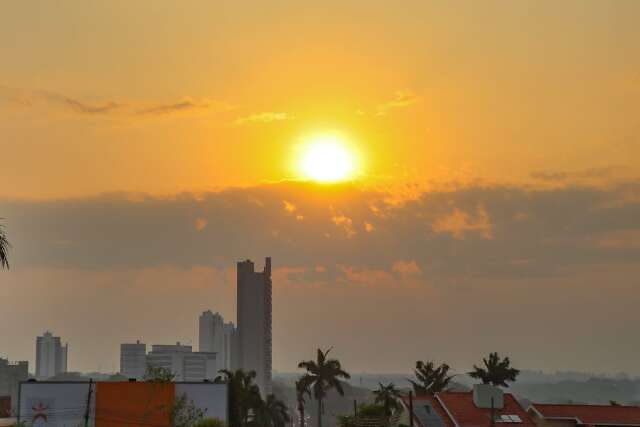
254,322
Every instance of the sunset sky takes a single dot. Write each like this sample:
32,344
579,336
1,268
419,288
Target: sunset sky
490,200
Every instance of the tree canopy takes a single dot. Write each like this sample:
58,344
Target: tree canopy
496,371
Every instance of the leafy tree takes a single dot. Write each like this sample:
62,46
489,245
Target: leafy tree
158,374
270,413
4,249
302,390
430,379
368,410
496,371
185,413
244,395
388,396
322,375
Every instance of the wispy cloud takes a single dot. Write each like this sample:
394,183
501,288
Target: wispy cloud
31,98
401,99
186,104
266,117
79,106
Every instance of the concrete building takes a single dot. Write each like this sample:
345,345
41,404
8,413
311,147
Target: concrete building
218,337
133,360
254,321
184,363
51,356
10,376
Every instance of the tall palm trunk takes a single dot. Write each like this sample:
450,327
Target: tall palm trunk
301,411
319,412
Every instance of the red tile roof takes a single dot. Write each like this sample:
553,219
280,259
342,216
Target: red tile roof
592,414
466,414
417,400
458,410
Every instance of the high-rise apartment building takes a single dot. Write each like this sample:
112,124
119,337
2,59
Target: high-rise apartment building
51,356
254,321
133,359
217,336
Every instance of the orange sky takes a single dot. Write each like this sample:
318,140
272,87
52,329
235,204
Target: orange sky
499,155
431,90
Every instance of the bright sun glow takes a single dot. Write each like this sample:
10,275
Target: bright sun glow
327,159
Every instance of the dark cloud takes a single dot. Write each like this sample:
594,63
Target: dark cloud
483,232
591,173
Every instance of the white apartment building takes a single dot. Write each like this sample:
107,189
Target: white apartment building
217,336
51,356
184,363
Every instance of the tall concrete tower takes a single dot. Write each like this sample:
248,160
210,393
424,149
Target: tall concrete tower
254,322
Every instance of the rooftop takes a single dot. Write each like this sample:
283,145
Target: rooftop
456,409
591,414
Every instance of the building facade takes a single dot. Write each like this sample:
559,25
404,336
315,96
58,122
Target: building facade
51,356
184,363
216,336
254,321
133,360
11,374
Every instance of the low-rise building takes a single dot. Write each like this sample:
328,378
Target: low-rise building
11,374
572,415
115,404
184,363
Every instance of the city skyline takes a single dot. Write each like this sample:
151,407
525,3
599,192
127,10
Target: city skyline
439,180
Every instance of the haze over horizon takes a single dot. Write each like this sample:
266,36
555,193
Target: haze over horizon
486,197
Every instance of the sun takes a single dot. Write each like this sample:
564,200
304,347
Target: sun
327,158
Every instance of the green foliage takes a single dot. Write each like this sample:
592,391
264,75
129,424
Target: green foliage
210,422
270,413
496,371
185,413
4,248
158,374
430,379
389,397
322,375
244,395
346,421
371,410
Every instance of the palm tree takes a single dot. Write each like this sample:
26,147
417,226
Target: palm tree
302,390
322,375
430,379
4,249
496,371
387,396
270,413
244,395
